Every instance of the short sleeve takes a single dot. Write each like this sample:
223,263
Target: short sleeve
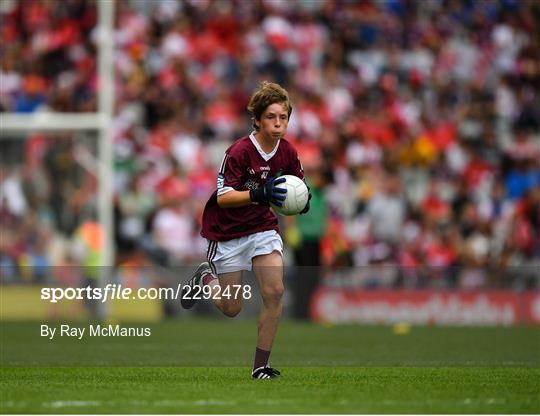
229,176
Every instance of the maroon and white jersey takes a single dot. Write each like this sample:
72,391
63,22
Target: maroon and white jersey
246,166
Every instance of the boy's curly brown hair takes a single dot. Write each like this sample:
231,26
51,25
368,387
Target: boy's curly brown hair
268,93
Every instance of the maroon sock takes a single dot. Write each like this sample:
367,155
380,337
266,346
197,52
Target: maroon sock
261,358
207,278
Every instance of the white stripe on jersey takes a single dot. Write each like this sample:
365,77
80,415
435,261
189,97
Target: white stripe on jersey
222,167
224,190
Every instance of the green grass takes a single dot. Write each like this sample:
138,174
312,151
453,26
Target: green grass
202,366
301,390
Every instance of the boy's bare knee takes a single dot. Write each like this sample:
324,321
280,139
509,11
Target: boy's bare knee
273,293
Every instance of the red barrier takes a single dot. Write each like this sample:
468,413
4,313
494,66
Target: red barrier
425,307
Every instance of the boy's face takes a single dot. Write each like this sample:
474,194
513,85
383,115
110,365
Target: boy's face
274,121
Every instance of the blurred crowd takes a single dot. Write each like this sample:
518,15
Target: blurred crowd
422,116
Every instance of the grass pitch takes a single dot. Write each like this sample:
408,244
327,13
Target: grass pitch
202,366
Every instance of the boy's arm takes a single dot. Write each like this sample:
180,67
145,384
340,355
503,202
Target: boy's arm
230,179
233,199
265,194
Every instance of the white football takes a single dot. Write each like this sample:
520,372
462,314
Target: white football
296,196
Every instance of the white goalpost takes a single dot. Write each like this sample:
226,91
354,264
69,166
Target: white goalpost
19,124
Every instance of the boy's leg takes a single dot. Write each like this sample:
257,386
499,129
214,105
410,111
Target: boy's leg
223,290
229,305
268,270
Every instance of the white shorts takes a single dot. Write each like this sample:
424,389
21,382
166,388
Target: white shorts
235,255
